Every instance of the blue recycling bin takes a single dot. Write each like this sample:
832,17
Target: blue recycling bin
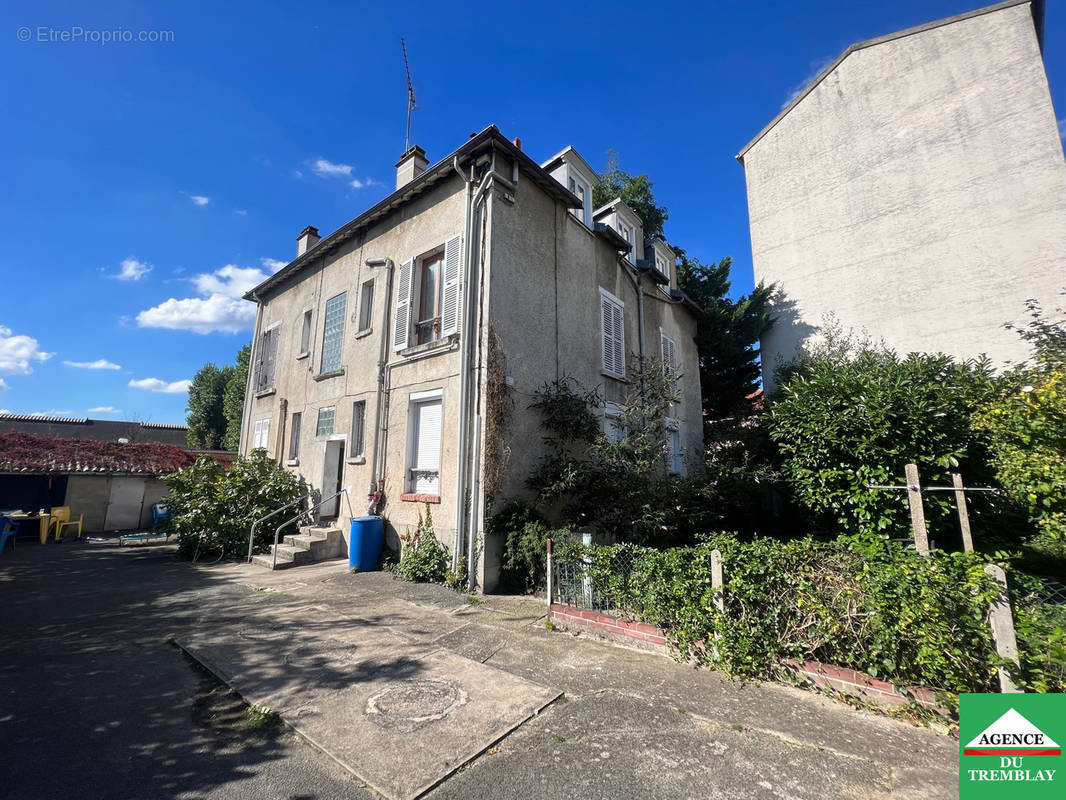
364,543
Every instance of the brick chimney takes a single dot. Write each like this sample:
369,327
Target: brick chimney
307,239
412,164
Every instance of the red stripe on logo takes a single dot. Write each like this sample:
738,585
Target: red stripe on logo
1012,752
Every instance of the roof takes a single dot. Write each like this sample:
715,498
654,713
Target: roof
569,154
1038,23
615,205
101,430
437,173
26,454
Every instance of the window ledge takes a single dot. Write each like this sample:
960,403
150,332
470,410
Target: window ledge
327,375
420,498
292,462
418,349
304,354
357,460
266,392
612,376
363,334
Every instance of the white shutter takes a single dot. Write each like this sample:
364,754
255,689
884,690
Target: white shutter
612,321
402,324
427,447
450,311
669,348
619,341
272,357
607,330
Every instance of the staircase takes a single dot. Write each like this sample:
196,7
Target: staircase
311,544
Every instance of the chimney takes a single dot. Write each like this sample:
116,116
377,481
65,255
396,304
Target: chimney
412,164
517,142
307,239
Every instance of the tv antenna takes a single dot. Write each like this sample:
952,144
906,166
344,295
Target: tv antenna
411,103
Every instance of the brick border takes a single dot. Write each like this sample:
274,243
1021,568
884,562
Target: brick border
638,634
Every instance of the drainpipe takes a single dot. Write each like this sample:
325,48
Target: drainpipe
464,378
383,356
639,286
248,398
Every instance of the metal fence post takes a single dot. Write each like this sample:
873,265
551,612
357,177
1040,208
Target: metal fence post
914,498
716,579
549,583
586,582
999,617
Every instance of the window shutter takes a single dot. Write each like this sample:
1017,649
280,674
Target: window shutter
449,314
427,447
271,364
669,348
613,329
607,323
257,379
402,323
619,341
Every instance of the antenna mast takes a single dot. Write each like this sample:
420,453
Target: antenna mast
410,96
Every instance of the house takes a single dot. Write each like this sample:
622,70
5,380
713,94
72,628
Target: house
374,348
100,430
916,190
112,485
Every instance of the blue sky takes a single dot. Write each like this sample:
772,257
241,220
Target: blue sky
146,184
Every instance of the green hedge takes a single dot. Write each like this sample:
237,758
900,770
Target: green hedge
853,602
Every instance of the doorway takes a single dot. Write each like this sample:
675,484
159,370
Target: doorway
332,477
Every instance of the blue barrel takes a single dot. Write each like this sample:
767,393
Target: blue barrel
364,543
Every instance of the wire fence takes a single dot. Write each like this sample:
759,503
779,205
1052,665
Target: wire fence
574,586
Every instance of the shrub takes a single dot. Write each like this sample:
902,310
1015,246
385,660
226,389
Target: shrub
852,602
423,559
850,415
1040,624
212,508
525,557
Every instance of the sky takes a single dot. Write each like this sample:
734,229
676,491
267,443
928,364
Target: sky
147,184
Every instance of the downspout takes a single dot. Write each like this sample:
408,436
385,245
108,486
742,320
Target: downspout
383,356
639,286
248,398
464,377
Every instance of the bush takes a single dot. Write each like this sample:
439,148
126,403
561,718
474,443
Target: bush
852,602
212,508
850,415
423,559
1040,624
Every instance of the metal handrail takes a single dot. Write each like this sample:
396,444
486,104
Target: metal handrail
275,512
319,504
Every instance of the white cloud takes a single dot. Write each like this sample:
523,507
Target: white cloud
52,412
132,270
815,69
241,212
1062,128
100,363
327,169
219,308
104,410
5,410
199,199
18,352
273,264
356,183
161,386
3,387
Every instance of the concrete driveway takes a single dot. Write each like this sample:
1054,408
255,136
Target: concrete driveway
96,700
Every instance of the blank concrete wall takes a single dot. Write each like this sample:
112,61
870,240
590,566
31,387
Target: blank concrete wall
87,495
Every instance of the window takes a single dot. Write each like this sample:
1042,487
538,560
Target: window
612,328
366,305
627,234
294,437
266,359
427,297
613,425
333,335
577,187
261,434
325,422
669,354
425,444
673,447
305,334
358,426
662,266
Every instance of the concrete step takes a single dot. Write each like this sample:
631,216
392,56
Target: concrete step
310,545
265,560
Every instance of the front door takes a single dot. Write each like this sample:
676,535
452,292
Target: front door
332,476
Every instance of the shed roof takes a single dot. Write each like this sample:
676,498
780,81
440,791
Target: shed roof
1037,7
102,430
27,454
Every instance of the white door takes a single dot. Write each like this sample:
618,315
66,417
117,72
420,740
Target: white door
124,504
425,469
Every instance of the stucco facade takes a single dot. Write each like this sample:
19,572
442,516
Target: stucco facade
916,191
526,299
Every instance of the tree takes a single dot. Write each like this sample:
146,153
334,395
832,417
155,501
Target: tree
206,420
233,399
635,191
727,334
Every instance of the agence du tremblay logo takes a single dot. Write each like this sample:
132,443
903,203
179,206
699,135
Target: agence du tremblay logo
1011,756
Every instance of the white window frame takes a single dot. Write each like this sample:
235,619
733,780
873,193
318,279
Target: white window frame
366,308
573,182
295,431
613,424
318,422
617,336
414,400
261,434
307,332
357,444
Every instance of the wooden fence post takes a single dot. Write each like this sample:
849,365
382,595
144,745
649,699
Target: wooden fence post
999,617
716,579
914,498
964,515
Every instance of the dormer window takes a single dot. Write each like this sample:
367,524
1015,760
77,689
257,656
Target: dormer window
581,190
627,234
661,265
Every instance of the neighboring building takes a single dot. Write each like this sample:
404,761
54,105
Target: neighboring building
100,430
374,347
112,485
916,190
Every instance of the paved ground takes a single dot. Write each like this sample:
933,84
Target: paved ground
96,700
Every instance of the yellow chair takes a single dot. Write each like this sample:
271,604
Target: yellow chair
60,517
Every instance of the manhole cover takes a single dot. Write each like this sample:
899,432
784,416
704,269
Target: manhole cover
409,705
